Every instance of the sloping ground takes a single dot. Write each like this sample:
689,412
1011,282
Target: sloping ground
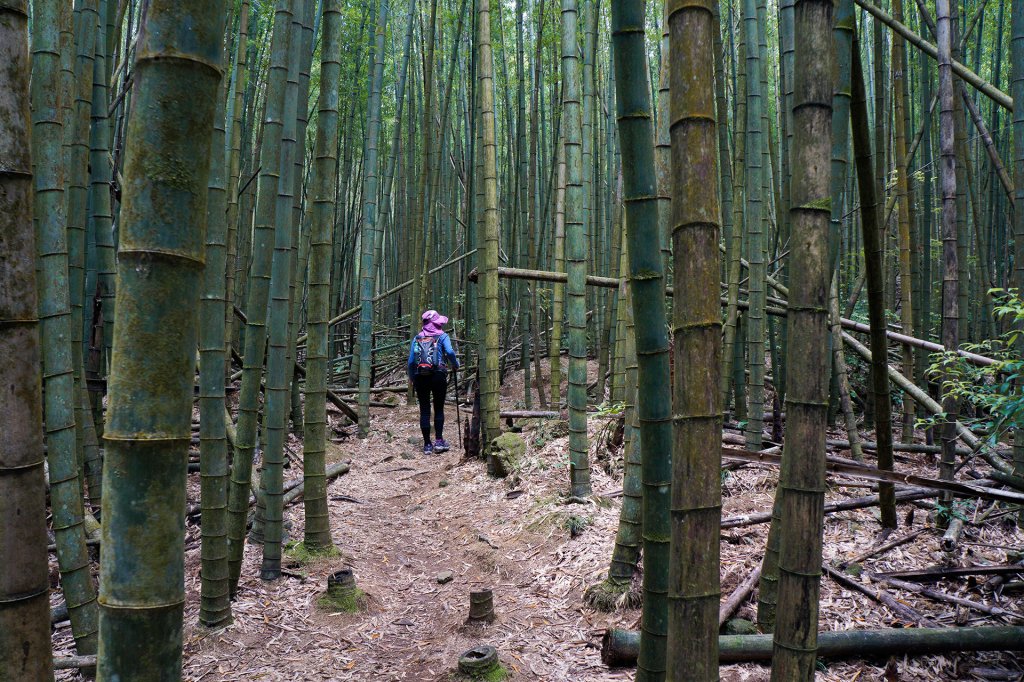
418,516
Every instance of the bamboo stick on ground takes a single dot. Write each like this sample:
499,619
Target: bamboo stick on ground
738,596
881,596
938,595
619,647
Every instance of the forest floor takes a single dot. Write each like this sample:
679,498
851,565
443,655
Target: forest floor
406,518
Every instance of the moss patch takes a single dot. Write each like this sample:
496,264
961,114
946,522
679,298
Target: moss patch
612,595
354,601
297,551
496,674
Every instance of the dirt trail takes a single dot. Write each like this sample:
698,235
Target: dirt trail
418,516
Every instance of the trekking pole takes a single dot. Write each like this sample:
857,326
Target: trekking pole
458,412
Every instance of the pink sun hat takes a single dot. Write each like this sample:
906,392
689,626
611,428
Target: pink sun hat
435,317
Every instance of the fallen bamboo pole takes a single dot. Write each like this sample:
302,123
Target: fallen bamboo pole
907,613
856,470
948,598
738,596
905,495
73,662
620,647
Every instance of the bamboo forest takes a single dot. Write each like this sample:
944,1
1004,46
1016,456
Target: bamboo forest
527,340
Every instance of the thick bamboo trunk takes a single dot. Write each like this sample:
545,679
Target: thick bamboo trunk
802,478
491,219
575,256
318,529
25,652
696,502
142,581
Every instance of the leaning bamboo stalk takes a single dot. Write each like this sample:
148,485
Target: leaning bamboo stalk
926,401
983,86
142,581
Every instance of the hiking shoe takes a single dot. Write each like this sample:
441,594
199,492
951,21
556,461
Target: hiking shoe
428,449
441,445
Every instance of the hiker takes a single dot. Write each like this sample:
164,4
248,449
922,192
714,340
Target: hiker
429,357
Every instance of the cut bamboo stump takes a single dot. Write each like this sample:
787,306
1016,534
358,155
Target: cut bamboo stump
479,661
342,594
619,648
481,607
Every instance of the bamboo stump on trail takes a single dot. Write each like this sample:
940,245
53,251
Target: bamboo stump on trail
342,594
481,607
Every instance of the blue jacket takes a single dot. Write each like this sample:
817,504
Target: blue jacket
445,350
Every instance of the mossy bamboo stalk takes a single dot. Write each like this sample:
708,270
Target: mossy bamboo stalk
49,97
755,218
258,289
489,378
25,651
275,412
318,529
142,580
215,602
950,333
802,478
575,255
694,586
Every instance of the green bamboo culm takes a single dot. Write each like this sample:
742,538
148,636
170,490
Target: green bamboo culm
258,291
367,269
646,275
160,263
48,109
489,378
694,585
629,536
802,477
755,217
575,256
233,150
558,289
275,410
24,580
318,522
215,601
1017,90
85,22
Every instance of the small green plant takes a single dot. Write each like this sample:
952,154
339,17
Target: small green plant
577,524
298,552
991,389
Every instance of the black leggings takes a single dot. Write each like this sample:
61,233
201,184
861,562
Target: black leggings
435,384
